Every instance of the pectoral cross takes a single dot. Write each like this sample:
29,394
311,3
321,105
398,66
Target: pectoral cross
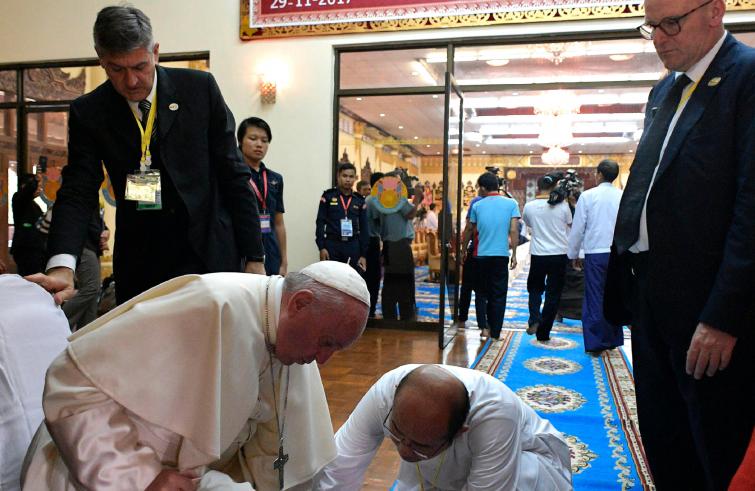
279,463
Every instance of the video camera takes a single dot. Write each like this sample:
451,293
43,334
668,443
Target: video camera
567,184
495,170
409,181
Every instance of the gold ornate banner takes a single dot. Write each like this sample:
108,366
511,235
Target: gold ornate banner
540,11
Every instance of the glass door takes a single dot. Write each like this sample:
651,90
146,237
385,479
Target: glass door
450,212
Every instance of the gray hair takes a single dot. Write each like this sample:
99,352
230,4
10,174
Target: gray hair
121,29
327,299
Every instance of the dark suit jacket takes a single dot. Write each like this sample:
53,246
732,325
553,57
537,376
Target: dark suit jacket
198,151
701,208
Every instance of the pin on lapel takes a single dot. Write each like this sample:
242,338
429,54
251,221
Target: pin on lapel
714,81
173,106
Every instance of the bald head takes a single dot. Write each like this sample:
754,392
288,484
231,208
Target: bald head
430,405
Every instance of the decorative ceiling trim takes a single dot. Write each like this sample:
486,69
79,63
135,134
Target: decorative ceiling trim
554,14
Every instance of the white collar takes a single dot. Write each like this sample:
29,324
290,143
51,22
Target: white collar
696,71
276,295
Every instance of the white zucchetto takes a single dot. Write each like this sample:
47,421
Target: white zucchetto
339,276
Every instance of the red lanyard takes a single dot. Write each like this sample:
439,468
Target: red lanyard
345,205
262,200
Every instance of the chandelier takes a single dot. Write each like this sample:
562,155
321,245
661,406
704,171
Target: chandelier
555,156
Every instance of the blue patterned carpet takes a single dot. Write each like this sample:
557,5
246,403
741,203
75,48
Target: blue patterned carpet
590,399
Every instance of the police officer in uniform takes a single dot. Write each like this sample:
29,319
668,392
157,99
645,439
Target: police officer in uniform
342,233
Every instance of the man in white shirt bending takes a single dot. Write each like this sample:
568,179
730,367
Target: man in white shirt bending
592,231
454,428
549,226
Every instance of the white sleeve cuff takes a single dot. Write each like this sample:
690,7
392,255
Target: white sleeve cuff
62,260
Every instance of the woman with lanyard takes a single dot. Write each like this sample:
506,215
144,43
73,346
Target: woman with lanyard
254,136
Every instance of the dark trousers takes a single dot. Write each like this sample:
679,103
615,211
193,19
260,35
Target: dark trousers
695,432
494,284
374,272
272,253
546,275
344,252
598,333
470,282
398,280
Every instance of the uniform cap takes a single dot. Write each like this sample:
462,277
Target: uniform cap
339,276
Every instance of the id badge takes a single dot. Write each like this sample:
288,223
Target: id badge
265,223
347,230
144,188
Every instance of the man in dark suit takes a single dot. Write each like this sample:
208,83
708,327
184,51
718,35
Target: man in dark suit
166,138
683,259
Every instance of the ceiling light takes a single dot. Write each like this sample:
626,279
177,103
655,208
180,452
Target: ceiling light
382,115
400,127
359,98
477,144
435,96
498,62
484,151
416,138
414,74
427,146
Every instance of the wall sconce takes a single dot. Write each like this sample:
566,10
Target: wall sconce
267,91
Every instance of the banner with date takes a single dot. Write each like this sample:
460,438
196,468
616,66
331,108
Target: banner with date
274,13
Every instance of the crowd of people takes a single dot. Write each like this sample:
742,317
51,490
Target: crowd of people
204,375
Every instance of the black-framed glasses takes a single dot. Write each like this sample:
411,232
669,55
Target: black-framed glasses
424,452
669,25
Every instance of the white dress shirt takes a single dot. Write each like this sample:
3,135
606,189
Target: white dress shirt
507,446
549,227
33,331
594,220
695,73
69,260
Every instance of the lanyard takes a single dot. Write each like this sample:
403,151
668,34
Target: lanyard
345,205
434,482
146,133
262,200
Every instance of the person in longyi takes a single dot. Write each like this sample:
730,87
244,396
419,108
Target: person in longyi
203,382
454,428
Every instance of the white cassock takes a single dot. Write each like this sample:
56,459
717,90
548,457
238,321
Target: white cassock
507,446
33,331
179,377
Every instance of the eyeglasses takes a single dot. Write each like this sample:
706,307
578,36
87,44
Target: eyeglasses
670,25
424,451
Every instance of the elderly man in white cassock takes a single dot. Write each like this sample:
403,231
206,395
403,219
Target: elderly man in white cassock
203,382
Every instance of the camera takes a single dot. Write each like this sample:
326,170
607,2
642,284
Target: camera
409,181
495,170
567,184
42,164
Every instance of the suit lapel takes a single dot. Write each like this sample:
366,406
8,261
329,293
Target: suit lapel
121,119
697,104
167,98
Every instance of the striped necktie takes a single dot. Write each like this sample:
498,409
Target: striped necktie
144,107
647,158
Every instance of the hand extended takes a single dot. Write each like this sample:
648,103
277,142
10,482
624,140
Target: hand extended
170,480
324,256
709,351
362,263
577,264
58,281
512,264
256,267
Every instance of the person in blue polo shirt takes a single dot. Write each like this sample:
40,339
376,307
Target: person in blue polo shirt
254,136
494,220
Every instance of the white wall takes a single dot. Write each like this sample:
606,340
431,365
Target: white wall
301,119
